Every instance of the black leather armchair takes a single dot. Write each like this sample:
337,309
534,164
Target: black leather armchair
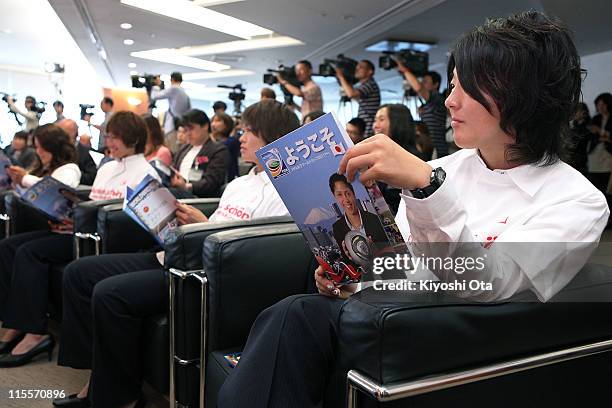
414,349
183,261
432,351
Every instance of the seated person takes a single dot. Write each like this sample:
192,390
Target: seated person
356,129
19,151
155,147
222,126
309,117
124,289
508,181
27,257
84,159
202,163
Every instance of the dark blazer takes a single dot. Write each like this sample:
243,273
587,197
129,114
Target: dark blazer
371,224
595,138
214,167
86,165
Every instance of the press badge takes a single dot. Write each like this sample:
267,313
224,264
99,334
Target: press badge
195,174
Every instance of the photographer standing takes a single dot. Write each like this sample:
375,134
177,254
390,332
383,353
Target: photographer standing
366,92
31,115
178,105
433,111
107,107
312,100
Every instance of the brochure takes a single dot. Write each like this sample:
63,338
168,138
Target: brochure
165,172
345,228
153,207
53,198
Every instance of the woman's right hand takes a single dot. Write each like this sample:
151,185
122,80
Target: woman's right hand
16,173
187,214
378,158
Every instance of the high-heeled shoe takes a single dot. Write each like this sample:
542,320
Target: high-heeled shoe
46,345
7,346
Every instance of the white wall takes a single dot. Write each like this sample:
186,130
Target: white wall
598,79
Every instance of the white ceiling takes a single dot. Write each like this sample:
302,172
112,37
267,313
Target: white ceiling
327,27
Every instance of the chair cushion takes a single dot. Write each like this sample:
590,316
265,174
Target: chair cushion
217,370
427,334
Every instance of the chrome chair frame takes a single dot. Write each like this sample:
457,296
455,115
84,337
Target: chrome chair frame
200,275
359,382
6,219
83,236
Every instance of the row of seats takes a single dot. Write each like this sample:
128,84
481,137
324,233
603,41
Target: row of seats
219,281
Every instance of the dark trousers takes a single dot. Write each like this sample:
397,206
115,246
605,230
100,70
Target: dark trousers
106,299
35,253
289,358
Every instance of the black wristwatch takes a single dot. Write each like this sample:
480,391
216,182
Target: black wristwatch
435,181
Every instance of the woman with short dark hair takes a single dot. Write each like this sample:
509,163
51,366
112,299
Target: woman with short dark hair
599,159
506,185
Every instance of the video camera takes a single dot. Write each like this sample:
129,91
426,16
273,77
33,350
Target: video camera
344,64
416,61
39,108
237,95
5,99
288,73
145,81
85,111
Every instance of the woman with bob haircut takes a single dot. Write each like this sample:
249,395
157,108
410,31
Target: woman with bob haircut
123,289
25,310
508,184
155,149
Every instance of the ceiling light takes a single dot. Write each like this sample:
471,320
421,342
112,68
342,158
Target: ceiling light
125,26
133,72
242,45
191,13
213,75
132,65
170,56
127,41
209,3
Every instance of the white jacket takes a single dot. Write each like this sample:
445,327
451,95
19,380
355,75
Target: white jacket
68,174
543,222
248,197
113,177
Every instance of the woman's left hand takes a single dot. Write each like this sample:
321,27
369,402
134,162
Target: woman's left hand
67,225
178,181
379,158
16,173
187,214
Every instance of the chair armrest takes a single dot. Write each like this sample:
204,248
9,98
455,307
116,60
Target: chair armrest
121,234
184,247
249,270
86,214
422,334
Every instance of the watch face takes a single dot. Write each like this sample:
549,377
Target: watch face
439,175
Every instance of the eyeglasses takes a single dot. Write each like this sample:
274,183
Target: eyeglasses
248,129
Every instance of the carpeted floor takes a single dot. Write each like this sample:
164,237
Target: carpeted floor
42,374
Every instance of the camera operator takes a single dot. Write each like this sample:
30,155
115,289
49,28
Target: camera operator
31,115
59,110
312,100
178,104
106,105
433,111
366,92
219,107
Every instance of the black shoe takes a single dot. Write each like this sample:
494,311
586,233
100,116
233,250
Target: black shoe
46,345
7,346
72,401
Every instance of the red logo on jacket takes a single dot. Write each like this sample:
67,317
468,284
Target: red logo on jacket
201,160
